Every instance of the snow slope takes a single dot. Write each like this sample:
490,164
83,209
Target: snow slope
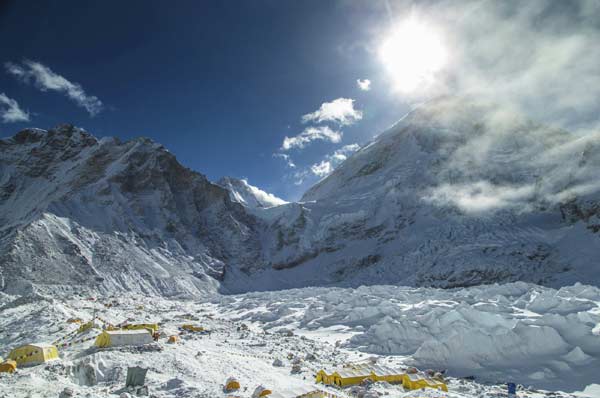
455,194
249,195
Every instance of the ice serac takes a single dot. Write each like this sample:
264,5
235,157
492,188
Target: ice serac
248,195
457,193
81,213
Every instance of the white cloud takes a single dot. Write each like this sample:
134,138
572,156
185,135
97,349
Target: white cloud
340,111
300,176
331,161
364,85
481,197
288,160
45,79
10,112
322,169
311,134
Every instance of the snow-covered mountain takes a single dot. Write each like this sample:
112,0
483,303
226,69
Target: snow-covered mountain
78,212
455,194
249,195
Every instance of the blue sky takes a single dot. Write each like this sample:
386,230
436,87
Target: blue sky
223,83
219,83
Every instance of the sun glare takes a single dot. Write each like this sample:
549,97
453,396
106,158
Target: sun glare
412,54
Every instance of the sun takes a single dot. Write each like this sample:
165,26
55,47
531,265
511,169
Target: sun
413,53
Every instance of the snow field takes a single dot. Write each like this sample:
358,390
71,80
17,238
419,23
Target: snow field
528,334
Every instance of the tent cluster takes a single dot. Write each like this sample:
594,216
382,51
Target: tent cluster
354,374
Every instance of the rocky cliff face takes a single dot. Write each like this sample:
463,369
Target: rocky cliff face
78,212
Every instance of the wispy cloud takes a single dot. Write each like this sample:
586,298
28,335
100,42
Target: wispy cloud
494,159
340,111
481,196
331,161
310,134
10,111
47,80
288,160
364,85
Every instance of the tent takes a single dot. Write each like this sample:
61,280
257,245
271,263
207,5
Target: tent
117,338
418,381
232,384
8,366
34,354
151,327
261,391
173,339
192,328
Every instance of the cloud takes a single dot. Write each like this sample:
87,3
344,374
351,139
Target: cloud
300,176
486,159
538,56
481,196
46,80
10,112
311,134
322,169
331,161
340,111
288,160
518,62
364,85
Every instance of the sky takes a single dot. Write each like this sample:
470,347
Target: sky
280,92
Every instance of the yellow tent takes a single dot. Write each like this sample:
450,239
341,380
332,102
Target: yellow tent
34,354
8,366
232,384
417,381
173,339
356,373
86,326
192,328
261,391
322,377
118,338
152,327
387,374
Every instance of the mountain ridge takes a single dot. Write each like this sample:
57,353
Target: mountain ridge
450,196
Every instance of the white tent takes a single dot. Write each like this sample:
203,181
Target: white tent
117,338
